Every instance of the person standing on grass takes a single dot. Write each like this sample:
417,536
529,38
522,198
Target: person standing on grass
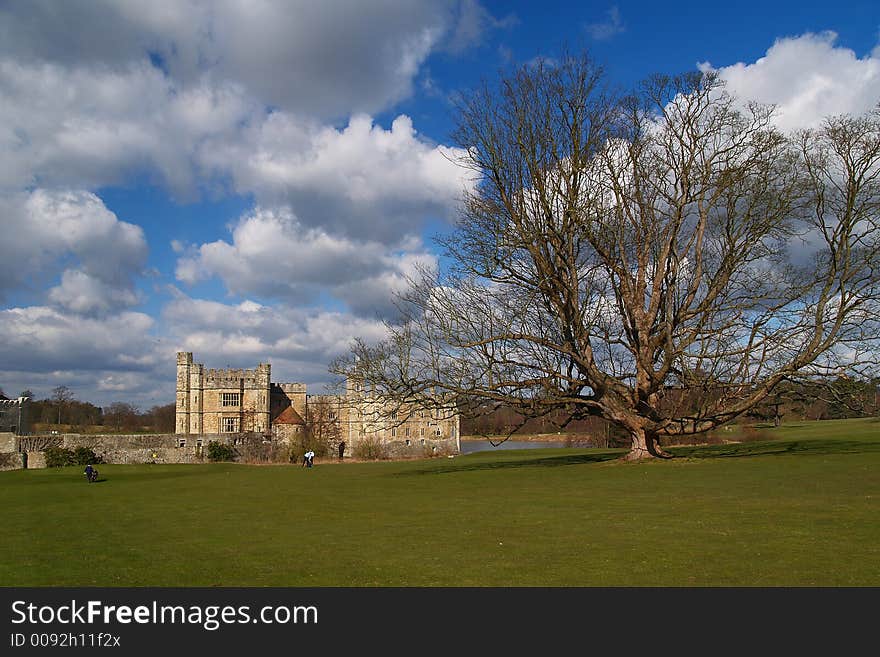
341,449
311,456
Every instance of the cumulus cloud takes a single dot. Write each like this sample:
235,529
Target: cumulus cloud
90,127
808,78
273,255
44,339
325,58
85,294
362,180
298,342
115,358
46,232
95,127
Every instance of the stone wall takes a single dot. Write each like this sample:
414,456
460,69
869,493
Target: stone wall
149,448
8,442
119,449
416,449
172,448
11,461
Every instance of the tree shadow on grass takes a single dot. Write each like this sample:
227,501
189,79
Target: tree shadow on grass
731,450
777,448
511,461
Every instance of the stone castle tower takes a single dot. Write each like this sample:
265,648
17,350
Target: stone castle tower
224,401
221,401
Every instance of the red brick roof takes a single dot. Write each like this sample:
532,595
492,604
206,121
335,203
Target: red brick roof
289,416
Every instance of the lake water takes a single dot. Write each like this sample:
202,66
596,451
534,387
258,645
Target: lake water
468,446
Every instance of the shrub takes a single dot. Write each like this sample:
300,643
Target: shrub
256,448
84,456
58,457
220,452
370,449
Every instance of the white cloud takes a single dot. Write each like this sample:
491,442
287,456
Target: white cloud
86,128
85,294
90,127
43,339
325,58
362,180
808,78
273,255
299,342
46,232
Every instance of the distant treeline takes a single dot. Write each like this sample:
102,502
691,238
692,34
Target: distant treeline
75,415
844,398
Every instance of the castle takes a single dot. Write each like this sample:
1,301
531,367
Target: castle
235,401
241,408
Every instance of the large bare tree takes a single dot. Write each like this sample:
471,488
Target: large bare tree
663,260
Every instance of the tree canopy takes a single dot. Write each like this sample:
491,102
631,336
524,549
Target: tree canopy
662,259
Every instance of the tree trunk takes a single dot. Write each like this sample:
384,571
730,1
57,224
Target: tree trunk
645,445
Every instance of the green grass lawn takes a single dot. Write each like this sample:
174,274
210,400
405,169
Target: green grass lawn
802,510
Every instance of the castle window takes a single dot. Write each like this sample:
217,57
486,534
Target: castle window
331,415
230,424
406,431
393,431
393,415
421,431
181,442
230,398
439,432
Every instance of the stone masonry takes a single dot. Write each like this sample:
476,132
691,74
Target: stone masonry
233,400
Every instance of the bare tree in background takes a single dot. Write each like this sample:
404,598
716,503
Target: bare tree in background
663,260
323,430
121,415
61,396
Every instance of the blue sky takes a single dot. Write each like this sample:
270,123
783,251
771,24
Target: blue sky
252,181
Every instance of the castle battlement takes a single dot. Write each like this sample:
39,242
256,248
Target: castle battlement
291,387
227,378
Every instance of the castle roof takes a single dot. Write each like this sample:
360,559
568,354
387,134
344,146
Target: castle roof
289,416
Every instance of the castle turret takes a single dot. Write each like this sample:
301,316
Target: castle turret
182,414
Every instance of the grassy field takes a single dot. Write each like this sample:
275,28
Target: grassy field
800,510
